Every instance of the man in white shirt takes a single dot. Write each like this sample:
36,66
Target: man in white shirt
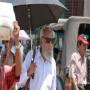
44,66
78,68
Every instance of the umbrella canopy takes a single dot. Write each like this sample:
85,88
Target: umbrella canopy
34,13
23,35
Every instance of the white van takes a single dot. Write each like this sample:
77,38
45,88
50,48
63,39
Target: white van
74,26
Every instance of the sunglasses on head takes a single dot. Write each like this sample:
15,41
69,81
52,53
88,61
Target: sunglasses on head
48,40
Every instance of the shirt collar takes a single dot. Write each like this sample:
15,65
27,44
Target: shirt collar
80,59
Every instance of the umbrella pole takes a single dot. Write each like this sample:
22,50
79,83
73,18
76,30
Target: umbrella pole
31,38
30,27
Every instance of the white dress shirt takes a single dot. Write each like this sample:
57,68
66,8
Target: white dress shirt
45,74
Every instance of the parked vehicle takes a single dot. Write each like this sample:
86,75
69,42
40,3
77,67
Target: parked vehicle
74,26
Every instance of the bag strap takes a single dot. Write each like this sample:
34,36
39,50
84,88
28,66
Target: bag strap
33,58
27,83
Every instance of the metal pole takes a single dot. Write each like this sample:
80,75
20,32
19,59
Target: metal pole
31,38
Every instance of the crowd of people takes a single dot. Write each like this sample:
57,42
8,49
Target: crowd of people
41,71
38,70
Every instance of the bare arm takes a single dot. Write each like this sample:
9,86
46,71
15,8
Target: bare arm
18,58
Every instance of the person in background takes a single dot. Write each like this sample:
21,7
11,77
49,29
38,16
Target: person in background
9,49
8,52
44,65
78,68
9,75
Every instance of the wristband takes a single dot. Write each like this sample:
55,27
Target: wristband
18,46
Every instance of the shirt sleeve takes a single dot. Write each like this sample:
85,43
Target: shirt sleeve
53,86
10,76
26,65
73,68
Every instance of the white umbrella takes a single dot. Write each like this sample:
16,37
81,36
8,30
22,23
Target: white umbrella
23,35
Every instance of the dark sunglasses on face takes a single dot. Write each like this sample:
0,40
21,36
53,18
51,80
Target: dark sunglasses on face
48,40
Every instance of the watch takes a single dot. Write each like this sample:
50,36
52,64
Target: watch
18,46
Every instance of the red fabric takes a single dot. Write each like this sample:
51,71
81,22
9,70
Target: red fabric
10,77
81,38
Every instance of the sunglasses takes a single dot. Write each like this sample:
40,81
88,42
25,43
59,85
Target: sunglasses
48,40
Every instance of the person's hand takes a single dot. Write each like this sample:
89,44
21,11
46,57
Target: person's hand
32,69
16,32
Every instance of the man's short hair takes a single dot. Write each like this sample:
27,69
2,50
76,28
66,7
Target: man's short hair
46,28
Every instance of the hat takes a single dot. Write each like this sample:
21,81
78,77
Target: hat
83,38
23,35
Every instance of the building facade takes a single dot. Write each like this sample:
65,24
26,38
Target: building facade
87,8
75,7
